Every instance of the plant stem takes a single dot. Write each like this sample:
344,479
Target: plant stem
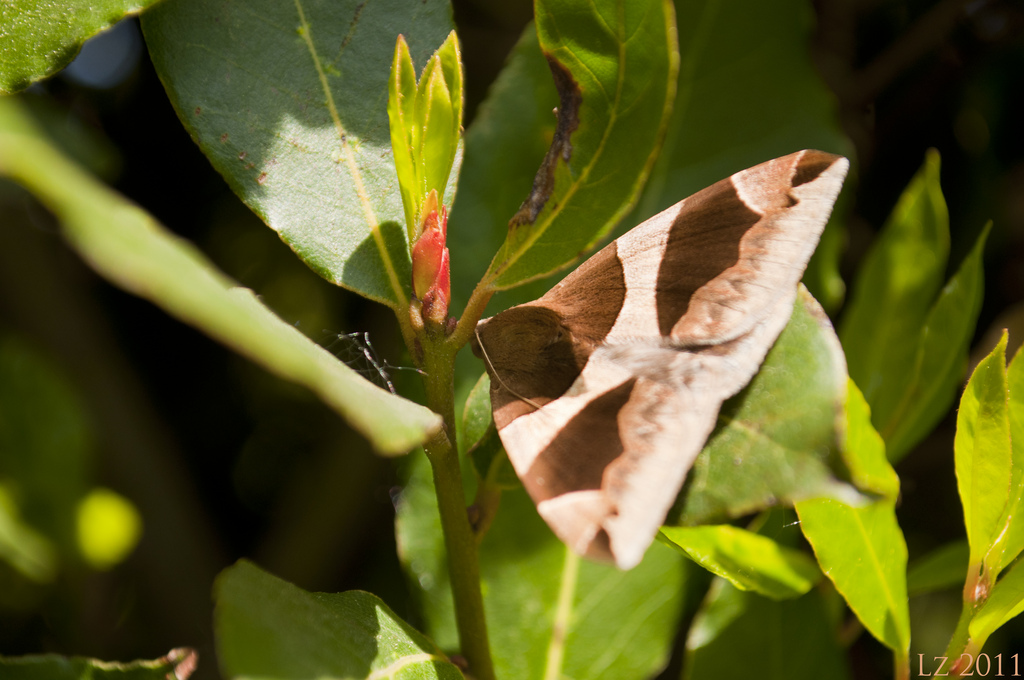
467,322
463,564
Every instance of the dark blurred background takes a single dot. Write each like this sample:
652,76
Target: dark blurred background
224,461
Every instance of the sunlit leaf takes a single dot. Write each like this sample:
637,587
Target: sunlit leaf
126,245
983,452
40,38
1012,539
289,103
745,559
615,69
269,628
861,547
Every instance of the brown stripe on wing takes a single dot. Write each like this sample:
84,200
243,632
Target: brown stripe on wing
703,242
810,166
576,458
590,298
772,252
536,351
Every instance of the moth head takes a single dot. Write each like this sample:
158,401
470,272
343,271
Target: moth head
531,357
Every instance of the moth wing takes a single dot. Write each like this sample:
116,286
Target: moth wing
653,333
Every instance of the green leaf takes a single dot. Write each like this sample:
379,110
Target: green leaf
1012,540
289,103
425,121
983,454
505,144
895,288
41,38
941,360
128,247
615,66
748,92
864,450
549,613
777,441
178,664
940,569
268,628
906,336
861,548
747,560
480,438
742,635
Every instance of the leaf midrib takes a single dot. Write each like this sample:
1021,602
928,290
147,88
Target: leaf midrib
350,161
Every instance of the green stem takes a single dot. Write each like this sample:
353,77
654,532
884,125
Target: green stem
463,564
467,322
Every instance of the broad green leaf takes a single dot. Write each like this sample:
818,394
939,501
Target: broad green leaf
861,548
127,246
268,628
942,568
615,66
747,560
777,441
549,613
941,360
41,38
289,102
744,635
1012,539
178,664
748,92
983,453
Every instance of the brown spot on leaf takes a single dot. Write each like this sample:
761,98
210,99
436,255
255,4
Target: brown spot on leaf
224,138
262,178
198,110
242,155
569,96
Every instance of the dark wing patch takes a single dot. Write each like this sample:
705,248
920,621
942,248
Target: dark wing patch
703,242
577,457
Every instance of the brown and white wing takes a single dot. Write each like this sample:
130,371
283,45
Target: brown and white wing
603,415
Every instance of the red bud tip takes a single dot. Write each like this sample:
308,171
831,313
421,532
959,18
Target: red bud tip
431,271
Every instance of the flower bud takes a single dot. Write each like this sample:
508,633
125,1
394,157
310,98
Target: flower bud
431,272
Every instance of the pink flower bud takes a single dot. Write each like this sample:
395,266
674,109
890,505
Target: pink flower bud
431,272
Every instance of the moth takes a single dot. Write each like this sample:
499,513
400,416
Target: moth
605,389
